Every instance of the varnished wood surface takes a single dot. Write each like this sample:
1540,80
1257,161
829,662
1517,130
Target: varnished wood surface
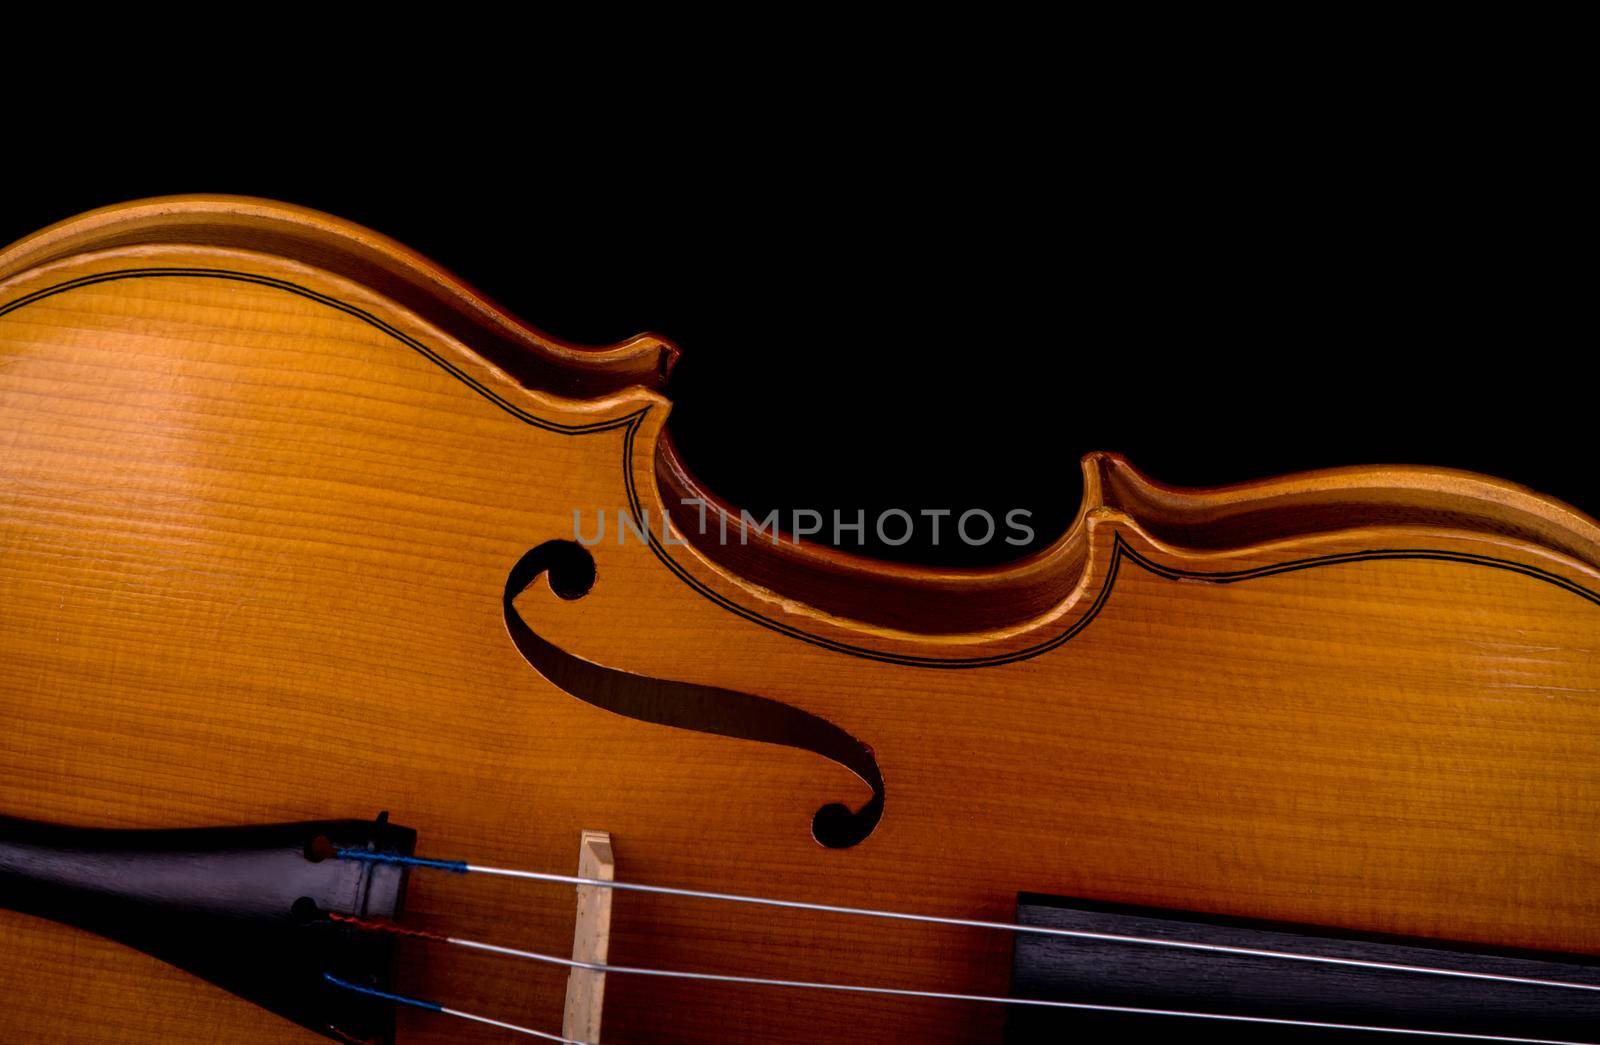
257,509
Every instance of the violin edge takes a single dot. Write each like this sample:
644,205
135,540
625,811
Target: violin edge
851,590
1186,522
346,249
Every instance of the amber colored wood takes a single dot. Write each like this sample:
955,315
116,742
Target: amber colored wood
262,479
368,258
591,940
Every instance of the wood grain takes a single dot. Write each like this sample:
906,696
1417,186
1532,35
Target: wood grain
258,503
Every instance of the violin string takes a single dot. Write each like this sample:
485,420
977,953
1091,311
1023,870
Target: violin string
433,1006
902,992
462,867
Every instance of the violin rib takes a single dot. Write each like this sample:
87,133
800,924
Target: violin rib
934,601
363,256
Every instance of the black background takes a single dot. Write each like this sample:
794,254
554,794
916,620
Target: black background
945,308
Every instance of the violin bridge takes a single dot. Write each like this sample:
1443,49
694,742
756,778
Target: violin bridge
591,940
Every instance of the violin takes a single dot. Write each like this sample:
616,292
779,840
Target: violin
330,707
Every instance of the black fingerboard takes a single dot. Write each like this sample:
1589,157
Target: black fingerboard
1151,977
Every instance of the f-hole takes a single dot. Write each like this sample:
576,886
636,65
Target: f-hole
706,709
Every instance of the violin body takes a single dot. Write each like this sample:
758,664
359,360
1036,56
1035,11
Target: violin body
265,478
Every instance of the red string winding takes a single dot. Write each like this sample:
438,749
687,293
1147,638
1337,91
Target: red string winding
384,925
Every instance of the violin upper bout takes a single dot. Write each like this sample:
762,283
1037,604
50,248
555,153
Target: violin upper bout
943,617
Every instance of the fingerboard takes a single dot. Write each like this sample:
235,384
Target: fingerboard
1144,976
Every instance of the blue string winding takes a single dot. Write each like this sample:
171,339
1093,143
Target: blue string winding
453,866
373,992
